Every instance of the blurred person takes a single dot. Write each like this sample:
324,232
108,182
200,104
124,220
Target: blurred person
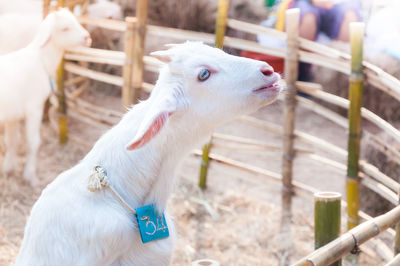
332,17
329,18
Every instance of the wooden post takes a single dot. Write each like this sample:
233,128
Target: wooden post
223,6
354,114
128,93
62,104
397,236
139,41
326,219
291,73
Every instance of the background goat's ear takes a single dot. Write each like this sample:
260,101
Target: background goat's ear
149,128
46,29
164,56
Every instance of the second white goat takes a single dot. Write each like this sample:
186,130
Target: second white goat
26,78
198,89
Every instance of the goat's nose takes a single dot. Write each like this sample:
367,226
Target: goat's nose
267,70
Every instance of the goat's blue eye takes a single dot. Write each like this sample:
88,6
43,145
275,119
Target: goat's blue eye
204,75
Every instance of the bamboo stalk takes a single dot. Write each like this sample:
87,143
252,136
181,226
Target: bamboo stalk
92,74
326,218
397,236
344,103
138,52
128,93
323,111
91,59
83,87
395,261
74,81
351,240
291,73
205,161
62,105
99,53
109,24
292,20
355,97
223,6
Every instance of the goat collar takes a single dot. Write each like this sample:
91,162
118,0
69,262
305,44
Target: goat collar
152,226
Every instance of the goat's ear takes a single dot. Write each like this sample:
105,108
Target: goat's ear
164,56
46,30
148,130
154,121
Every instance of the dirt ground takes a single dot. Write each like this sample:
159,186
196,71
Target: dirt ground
236,221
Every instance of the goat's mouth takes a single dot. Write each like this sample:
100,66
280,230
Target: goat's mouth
271,88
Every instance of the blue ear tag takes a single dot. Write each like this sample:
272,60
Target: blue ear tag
151,225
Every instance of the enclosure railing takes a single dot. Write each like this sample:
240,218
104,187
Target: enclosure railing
315,53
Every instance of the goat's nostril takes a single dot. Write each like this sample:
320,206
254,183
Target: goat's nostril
267,71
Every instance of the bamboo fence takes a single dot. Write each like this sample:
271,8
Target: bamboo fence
132,59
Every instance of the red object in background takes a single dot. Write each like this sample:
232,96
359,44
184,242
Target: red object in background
277,63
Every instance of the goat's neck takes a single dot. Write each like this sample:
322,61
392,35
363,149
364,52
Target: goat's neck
51,56
146,176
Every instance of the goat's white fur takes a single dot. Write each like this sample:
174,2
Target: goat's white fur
25,76
69,225
20,21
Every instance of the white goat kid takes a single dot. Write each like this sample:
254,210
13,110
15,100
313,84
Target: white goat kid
198,89
26,77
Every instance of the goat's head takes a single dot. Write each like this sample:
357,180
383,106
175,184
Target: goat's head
207,85
62,28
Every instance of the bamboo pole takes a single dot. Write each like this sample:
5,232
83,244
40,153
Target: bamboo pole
351,240
128,93
109,24
92,74
395,261
326,219
62,105
138,52
355,97
220,27
397,236
291,73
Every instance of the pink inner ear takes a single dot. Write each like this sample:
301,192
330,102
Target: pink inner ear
151,132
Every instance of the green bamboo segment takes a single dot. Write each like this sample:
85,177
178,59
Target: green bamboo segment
327,218
205,161
354,115
223,6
